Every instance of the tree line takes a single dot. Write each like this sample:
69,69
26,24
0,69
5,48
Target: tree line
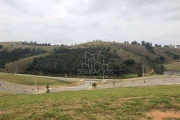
35,43
144,43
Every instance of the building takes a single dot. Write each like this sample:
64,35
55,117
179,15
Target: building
177,61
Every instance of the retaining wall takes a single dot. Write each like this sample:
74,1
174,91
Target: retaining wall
171,73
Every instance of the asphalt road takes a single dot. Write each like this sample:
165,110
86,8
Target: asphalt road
107,83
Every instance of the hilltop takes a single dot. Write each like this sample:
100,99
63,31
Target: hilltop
123,58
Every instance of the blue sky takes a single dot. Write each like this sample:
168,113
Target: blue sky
78,21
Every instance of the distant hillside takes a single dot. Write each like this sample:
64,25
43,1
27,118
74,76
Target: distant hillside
13,45
122,58
14,56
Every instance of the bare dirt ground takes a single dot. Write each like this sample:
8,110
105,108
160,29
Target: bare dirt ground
163,115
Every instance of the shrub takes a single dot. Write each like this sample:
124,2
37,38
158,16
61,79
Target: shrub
94,85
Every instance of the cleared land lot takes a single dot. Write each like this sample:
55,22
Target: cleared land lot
151,98
26,83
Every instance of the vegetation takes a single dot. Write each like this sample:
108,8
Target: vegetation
129,62
122,58
16,54
173,55
149,47
1,46
65,60
35,43
118,103
94,85
30,80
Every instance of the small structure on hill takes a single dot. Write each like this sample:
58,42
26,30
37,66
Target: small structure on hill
177,61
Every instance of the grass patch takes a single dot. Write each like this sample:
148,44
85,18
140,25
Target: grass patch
118,103
30,80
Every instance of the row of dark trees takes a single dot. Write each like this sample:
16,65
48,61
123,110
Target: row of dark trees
156,45
16,54
35,43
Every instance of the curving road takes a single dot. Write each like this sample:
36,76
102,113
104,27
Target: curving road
107,83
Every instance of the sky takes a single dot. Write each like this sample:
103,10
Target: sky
78,21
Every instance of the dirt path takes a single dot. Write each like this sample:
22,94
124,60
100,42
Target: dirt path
159,115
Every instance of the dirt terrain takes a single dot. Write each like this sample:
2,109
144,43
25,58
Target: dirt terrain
163,115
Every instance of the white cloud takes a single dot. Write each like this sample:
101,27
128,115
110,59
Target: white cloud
76,21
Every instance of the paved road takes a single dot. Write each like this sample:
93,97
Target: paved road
147,81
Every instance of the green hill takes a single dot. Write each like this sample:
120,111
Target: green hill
122,58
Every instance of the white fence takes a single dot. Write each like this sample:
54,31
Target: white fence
171,73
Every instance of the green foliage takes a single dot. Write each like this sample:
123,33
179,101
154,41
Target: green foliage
149,47
108,49
35,43
162,58
143,42
159,68
168,53
94,85
65,60
176,56
1,46
139,74
134,42
16,54
139,69
159,60
129,62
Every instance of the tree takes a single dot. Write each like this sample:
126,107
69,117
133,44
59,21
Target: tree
162,58
175,56
129,62
156,45
94,85
108,49
134,42
178,46
149,47
143,42
166,45
1,46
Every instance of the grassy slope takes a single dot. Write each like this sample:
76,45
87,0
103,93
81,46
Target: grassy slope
21,64
12,45
119,103
137,52
30,80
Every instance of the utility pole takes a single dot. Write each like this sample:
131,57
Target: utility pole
143,72
65,81
103,75
35,81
